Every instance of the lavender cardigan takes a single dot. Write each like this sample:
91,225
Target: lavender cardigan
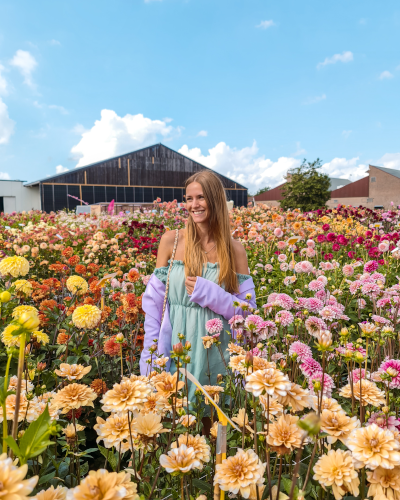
206,294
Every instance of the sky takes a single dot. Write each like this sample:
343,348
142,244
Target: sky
247,87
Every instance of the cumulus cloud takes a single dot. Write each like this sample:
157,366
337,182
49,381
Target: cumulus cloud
385,75
6,124
202,133
60,169
26,63
345,169
4,176
314,100
3,81
265,24
345,57
389,160
243,165
113,135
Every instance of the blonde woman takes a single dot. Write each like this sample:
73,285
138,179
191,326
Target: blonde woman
208,273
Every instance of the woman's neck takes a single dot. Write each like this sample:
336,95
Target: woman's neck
204,233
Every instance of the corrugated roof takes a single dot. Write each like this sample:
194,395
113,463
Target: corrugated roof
391,171
337,183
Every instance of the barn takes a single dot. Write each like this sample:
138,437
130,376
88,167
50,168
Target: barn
138,177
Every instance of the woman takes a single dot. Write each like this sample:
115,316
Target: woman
209,272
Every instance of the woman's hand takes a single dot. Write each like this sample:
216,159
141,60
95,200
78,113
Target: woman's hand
190,283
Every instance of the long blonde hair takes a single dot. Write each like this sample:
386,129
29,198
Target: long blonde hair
219,229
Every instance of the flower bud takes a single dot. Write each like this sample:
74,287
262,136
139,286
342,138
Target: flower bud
5,297
248,296
385,409
41,367
188,345
358,357
310,423
29,321
344,332
119,337
220,378
178,348
248,360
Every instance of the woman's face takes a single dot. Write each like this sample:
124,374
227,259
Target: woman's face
196,204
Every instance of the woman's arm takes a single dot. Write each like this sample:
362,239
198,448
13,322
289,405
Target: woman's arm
165,248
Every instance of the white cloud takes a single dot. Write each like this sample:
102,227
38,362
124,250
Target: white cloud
243,165
6,124
345,169
345,57
60,169
202,133
389,160
385,75
266,24
346,133
113,135
4,176
54,42
299,150
61,109
314,100
3,81
26,63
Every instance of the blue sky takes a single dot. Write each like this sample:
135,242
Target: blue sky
248,88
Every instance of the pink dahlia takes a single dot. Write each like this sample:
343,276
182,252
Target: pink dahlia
326,382
302,350
284,300
236,321
384,421
285,318
314,304
314,325
348,270
303,267
214,325
309,366
267,329
378,277
316,285
355,375
370,266
253,322
370,289
355,286
392,367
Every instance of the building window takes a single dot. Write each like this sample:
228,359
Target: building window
335,201
370,200
373,179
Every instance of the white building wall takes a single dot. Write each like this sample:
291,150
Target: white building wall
17,197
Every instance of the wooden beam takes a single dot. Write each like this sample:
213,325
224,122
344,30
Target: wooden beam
119,162
122,185
80,192
85,177
129,173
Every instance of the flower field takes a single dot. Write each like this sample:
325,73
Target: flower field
311,393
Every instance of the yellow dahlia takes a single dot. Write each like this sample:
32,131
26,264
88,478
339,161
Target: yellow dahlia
270,381
338,425
8,338
327,404
156,403
238,473
14,266
384,483
274,407
77,285
169,385
182,460
296,397
72,397
72,372
28,410
20,310
86,316
374,447
104,485
59,493
242,420
201,449
370,393
284,434
126,396
235,349
148,425
114,431
41,337
23,288
13,484
213,391
336,469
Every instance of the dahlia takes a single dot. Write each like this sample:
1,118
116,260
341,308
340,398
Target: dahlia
99,386
26,385
384,483
235,349
296,397
316,285
313,304
86,316
72,397
213,391
13,484
214,325
392,368
72,372
284,318
238,473
8,338
270,381
128,395
187,420
284,434
314,325
59,493
236,321
384,421
370,266
273,406
169,385
148,424
20,310
111,347
208,341
337,425
301,350
14,266
309,366
336,469
348,270
23,288
104,485
284,300
28,410
201,449
181,460
327,404
40,337
303,267
324,380
77,285
114,431
370,393
242,420
374,447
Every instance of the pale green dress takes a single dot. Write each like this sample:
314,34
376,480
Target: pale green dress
189,319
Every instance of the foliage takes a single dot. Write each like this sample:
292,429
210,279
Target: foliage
306,188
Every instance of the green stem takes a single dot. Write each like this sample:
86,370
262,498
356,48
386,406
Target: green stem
21,360
5,426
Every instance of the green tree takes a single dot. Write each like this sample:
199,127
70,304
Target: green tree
261,190
306,188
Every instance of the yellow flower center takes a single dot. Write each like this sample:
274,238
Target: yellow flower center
374,443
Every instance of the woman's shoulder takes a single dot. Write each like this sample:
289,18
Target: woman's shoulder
166,247
241,264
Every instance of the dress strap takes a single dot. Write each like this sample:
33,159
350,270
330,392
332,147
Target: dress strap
169,272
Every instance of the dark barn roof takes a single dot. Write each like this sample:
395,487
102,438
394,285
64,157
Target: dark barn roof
356,189
155,165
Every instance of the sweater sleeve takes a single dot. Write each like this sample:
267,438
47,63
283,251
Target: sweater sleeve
209,294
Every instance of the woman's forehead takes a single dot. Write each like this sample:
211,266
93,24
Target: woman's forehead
194,188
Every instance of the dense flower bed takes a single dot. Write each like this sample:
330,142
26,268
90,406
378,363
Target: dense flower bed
312,390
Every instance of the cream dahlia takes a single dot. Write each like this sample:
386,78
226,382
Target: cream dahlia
169,385
126,396
181,460
114,431
370,393
13,484
104,485
270,381
338,425
284,434
296,397
59,493
14,266
384,483
72,372
73,397
201,449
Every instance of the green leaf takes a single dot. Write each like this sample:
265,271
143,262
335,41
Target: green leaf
47,477
112,458
72,360
35,439
13,445
201,485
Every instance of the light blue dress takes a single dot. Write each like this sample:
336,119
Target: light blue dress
189,319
